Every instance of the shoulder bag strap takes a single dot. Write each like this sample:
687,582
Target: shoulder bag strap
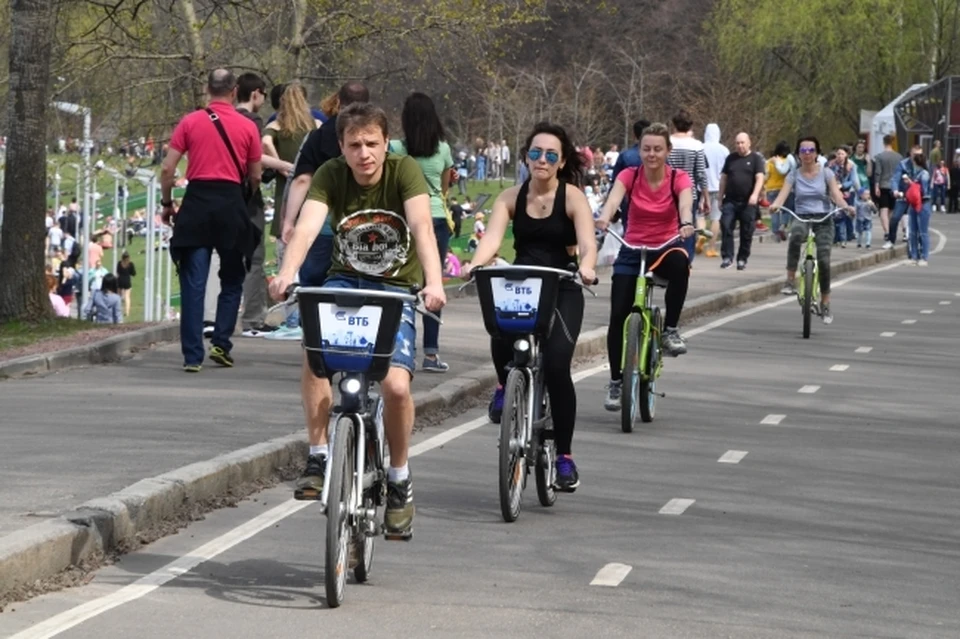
226,141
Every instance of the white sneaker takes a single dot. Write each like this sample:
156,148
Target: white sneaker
922,263
912,262
286,334
887,245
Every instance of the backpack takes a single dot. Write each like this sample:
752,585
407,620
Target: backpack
914,196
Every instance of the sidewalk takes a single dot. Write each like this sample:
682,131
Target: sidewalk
88,432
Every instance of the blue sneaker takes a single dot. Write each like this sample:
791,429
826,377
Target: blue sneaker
495,410
567,477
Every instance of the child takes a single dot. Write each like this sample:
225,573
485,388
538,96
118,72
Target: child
866,209
104,306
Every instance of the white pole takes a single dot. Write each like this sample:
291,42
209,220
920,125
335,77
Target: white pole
56,194
123,224
114,216
87,213
158,265
148,279
167,306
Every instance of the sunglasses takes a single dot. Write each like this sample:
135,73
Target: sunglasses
808,149
534,155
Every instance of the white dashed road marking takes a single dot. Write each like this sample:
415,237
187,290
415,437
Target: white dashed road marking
864,349
945,303
676,506
772,420
839,368
611,575
909,321
927,311
888,334
732,457
809,389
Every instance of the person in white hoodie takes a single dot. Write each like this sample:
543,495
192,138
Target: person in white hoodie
716,154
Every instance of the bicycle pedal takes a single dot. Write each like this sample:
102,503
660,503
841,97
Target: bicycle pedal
398,536
307,494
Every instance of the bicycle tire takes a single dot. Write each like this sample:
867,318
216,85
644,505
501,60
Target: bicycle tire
545,471
513,445
373,501
630,387
338,524
648,388
807,298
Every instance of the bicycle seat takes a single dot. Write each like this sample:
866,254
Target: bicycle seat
657,280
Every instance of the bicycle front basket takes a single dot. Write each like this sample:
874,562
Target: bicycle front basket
517,300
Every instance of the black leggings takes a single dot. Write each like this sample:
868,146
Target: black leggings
557,350
673,267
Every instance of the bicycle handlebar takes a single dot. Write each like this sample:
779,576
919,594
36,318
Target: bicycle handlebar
292,291
571,273
812,220
654,249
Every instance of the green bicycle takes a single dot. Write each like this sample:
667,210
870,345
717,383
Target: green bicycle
808,284
642,360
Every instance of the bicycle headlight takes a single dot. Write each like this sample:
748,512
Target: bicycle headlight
350,386
521,346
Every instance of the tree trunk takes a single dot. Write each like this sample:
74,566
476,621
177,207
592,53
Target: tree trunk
23,291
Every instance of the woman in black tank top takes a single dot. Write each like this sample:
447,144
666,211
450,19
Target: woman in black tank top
551,220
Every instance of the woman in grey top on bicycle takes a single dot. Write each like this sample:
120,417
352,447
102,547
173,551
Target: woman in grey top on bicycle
815,188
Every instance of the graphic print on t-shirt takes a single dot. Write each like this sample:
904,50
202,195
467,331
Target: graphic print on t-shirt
373,242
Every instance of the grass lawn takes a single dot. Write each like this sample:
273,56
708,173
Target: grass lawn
17,334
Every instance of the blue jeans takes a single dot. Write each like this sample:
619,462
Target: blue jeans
919,241
314,270
431,328
405,345
864,232
776,218
194,268
939,195
899,210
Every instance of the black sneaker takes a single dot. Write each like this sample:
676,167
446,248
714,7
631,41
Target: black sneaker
208,330
222,357
310,484
789,289
495,410
398,518
726,263
671,342
568,479
741,264
612,401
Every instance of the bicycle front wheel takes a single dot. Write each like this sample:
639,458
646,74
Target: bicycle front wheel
545,470
807,297
648,387
339,497
513,444
630,389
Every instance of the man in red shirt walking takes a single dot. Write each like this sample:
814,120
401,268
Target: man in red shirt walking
223,152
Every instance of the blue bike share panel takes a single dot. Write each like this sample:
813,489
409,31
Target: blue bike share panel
517,300
348,336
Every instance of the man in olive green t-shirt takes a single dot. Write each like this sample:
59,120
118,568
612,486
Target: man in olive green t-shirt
379,209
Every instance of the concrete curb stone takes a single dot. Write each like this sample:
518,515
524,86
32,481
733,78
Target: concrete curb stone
107,524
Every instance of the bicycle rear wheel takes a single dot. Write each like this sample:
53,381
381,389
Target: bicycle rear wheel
545,471
339,496
807,297
513,445
648,388
630,389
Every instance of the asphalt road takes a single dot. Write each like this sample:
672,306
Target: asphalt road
838,519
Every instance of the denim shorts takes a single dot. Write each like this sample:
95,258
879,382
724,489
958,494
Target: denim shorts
405,346
628,260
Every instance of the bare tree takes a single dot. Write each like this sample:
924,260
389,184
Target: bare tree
22,286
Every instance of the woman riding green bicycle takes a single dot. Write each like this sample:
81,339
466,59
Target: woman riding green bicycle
661,201
815,188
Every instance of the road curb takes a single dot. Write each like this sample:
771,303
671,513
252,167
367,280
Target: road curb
106,525
112,349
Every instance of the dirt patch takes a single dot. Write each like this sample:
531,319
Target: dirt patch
73,340
82,574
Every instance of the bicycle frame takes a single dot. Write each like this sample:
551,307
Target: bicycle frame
810,250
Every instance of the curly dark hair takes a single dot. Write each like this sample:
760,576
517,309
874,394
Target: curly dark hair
572,170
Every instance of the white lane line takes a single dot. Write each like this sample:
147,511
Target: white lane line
864,349
772,420
732,457
888,334
74,617
839,368
945,303
148,583
676,506
909,321
809,390
927,311
611,575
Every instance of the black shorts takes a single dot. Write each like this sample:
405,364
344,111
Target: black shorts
886,200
